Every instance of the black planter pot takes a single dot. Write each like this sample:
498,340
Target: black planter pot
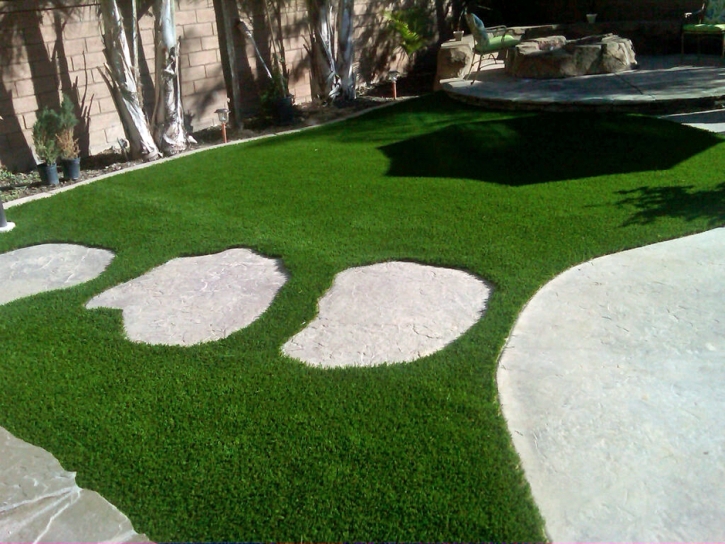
284,110
48,173
71,168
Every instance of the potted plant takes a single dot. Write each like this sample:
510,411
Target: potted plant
67,144
45,133
276,99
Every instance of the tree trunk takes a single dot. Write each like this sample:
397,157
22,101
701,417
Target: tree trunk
168,118
325,80
345,50
119,77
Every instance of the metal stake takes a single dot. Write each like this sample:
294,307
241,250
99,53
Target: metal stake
5,226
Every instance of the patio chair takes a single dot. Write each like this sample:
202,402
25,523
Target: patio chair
708,21
489,42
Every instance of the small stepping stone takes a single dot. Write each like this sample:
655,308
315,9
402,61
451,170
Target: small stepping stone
32,270
40,502
191,300
390,312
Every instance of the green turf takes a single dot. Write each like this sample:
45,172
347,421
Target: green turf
233,441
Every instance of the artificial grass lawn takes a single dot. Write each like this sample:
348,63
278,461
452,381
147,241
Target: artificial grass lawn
233,441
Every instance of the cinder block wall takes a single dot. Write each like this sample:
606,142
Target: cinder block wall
43,53
46,52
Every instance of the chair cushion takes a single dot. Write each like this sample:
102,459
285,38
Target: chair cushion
497,43
478,29
704,29
714,12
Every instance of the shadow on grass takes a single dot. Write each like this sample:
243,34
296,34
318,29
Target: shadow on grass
678,202
546,147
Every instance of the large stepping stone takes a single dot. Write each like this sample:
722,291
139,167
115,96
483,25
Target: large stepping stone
390,312
32,270
613,387
196,299
40,502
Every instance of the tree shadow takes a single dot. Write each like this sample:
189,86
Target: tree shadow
681,202
546,147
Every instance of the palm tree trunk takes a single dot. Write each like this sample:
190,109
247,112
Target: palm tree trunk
120,77
168,118
345,50
325,80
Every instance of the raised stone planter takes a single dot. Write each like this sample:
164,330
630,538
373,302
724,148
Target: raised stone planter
454,60
557,57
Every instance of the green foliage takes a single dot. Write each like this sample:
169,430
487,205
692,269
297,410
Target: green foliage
277,87
67,144
232,441
48,125
412,26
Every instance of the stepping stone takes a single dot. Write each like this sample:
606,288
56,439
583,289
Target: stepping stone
196,299
40,502
47,267
612,387
390,312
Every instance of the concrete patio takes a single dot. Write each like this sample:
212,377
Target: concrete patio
662,84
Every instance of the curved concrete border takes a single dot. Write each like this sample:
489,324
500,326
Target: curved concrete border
612,384
24,200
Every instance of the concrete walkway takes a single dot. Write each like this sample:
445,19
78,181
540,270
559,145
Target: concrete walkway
613,387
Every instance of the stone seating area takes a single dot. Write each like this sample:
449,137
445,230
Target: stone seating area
555,56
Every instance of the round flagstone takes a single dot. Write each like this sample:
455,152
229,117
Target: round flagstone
389,312
40,502
32,270
191,300
612,386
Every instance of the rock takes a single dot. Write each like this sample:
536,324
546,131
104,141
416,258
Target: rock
556,57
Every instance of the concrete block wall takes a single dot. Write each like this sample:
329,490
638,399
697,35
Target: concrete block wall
375,49
44,53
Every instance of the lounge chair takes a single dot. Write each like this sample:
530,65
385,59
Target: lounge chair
708,21
489,42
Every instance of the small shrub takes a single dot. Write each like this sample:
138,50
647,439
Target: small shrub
412,26
67,144
45,132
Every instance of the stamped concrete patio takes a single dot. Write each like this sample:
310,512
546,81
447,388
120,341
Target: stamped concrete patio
661,84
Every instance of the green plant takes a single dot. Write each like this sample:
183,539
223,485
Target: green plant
276,101
45,132
67,144
412,26
277,88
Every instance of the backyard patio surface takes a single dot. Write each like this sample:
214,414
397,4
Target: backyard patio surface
629,337
659,84
610,384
